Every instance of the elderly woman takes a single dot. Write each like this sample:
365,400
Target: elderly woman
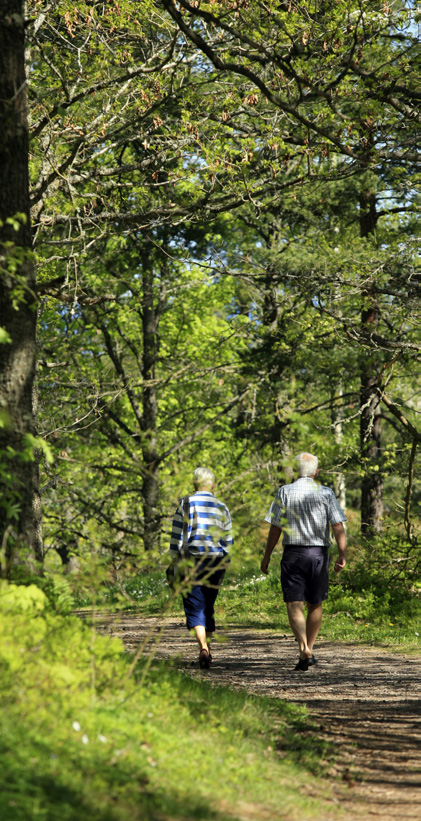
207,540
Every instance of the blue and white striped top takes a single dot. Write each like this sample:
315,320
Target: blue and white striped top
209,529
304,510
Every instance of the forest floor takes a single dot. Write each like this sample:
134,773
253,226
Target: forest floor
363,701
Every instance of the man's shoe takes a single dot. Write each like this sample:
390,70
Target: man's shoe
304,664
205,659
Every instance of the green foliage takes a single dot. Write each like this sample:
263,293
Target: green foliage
59,592
21,599
14,258
147,591
31,445
228,207
374,600
380,585
363,610
29,451
80,738
5,338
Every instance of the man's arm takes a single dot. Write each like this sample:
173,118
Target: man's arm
340,536
272,541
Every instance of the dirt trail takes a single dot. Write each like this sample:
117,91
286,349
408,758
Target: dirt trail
364,700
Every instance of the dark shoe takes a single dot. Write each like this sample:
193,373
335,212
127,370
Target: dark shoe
205,659
304,664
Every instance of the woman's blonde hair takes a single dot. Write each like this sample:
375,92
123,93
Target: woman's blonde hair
203,477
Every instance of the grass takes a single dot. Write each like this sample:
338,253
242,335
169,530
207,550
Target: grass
155,754
362,606
82,739
365,616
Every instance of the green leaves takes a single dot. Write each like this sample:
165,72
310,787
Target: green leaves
225,203
16,221
32,444
5,338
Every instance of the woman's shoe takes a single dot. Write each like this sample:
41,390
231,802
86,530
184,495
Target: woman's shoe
205,659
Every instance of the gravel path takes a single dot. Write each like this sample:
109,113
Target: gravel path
365,700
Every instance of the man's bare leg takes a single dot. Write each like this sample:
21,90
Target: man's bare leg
313,623
298,626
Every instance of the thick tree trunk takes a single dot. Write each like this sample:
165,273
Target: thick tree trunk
150,487
370,425
20,523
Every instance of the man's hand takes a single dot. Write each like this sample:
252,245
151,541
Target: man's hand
273,536
340,536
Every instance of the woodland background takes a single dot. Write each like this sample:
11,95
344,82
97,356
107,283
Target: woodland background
208,256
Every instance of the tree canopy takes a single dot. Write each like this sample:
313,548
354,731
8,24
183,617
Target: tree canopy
221,199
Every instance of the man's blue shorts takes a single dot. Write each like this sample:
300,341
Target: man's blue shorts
305,574
199,603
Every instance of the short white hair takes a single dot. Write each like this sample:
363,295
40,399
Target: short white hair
203,477
306,464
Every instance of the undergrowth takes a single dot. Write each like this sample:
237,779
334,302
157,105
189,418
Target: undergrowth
83,738
366,604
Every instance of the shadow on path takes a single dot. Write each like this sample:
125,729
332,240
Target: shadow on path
366,702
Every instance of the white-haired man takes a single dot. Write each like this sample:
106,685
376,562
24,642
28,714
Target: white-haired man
304,510
209,540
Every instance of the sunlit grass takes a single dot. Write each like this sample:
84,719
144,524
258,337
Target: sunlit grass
81,739
361,610
367,602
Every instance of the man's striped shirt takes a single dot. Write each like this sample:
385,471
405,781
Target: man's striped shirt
304,509
209,526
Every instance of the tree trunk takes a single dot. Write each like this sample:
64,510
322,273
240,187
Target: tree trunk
336,390
150,487
337,424
370,425
272,322
370,437
20,524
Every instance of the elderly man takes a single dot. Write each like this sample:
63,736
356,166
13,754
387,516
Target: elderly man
208,540
304,510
